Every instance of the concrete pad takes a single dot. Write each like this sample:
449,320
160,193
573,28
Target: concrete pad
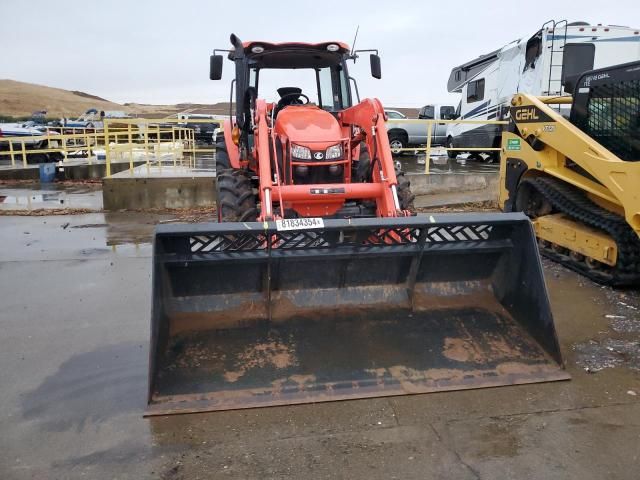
593,443
159,188
30,172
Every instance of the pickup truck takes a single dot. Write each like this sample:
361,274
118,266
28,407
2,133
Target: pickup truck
403,134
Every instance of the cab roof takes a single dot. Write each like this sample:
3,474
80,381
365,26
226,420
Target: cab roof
343,47
293,54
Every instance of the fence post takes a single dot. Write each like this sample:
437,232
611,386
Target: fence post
13,159
88,142
107,153
24,154
427,161
146,142
130,141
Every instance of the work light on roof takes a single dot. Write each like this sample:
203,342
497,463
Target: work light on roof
257,49
332,47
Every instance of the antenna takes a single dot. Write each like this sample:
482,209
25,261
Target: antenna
353,45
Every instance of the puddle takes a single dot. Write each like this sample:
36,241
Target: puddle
90,388
51,197
441,164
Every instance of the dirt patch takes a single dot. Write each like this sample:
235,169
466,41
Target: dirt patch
41,212
487,206
478,350
263,355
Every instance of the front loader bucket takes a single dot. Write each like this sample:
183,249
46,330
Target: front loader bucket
247,316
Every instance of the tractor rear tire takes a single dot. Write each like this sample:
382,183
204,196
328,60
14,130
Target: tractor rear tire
235,200
405,197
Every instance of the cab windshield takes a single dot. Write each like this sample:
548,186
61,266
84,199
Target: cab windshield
326,87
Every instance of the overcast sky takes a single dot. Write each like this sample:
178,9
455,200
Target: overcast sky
157,51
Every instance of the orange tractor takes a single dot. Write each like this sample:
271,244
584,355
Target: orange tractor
326,144
319,282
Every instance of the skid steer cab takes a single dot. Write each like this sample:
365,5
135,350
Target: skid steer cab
312,153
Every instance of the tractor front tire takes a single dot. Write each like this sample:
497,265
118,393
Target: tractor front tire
235,200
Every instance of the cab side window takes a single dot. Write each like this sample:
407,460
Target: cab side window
427,113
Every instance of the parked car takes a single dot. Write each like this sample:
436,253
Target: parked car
203,132
403,134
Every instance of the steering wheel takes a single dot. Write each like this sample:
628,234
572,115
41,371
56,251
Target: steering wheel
291,99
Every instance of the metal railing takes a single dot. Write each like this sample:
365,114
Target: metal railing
152,139
430,124
149,139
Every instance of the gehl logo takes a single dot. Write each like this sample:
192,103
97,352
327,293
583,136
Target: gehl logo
525,114
529,115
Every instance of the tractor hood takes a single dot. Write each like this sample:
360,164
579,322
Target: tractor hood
308,124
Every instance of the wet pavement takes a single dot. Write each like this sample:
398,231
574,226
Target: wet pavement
36,196
440,164
74,345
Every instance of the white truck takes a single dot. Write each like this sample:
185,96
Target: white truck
541,64
404,134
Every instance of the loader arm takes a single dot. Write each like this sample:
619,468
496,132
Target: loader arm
369,116
613,181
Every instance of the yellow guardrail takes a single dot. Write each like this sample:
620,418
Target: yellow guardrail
182,138
151,138
429,125
118,138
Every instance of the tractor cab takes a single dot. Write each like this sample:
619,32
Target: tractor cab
304,113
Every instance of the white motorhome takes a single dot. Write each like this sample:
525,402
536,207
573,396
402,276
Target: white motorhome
546,63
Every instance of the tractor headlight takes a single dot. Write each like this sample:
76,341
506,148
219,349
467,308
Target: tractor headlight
333,152
300,152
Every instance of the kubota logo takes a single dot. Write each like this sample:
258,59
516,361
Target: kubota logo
318,155
524,114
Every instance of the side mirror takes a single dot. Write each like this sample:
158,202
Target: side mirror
376,70
215,67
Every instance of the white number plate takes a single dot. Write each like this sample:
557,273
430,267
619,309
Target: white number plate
299,223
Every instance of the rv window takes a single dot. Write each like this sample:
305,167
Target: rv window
475,91
458,76
447,113
577,59
533,51
427,113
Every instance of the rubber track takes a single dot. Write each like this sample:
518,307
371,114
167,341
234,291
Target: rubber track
572,202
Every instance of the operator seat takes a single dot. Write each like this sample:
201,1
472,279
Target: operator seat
288,96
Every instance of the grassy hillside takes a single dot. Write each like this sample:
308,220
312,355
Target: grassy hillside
21,99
